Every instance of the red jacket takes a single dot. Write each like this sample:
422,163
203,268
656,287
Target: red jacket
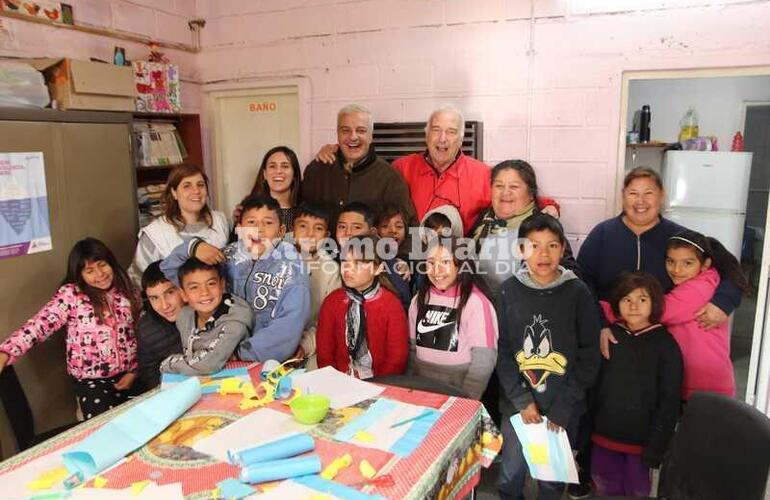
466,184
387,334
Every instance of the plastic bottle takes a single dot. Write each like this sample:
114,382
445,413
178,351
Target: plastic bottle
689,125
644,124
737,144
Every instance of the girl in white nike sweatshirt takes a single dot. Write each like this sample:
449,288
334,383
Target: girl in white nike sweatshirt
452,323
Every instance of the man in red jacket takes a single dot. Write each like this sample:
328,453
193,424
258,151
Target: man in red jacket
442,174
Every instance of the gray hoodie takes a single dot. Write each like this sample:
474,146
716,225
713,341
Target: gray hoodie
205,350
452,214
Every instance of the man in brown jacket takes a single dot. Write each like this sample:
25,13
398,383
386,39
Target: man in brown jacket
357,174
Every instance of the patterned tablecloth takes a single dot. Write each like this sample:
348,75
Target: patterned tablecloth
447,464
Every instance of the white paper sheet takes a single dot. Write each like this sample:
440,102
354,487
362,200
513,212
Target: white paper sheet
291,490
548,454
152,491
342,389
256,428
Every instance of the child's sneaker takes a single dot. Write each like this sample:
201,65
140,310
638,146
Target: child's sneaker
580,490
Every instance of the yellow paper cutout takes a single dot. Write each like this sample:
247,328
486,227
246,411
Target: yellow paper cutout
48,479
538,453
366,469
230,385
137,487
486,438
100,482
334,468
40,484
215,493
320,496
363,436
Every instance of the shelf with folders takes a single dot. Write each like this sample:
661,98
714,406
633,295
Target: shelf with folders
151,175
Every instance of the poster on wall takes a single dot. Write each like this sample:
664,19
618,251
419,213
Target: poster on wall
25,227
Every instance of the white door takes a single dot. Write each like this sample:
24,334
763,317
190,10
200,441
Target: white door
247,123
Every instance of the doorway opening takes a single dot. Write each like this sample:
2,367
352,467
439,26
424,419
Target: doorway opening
726,101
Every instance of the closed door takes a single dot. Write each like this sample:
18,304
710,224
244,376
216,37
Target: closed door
246,124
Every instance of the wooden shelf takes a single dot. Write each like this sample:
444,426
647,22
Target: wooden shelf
650,144
141,168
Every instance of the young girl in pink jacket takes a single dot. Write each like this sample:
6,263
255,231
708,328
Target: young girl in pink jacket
98,307
695,263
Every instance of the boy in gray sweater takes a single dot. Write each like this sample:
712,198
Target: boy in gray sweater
211,325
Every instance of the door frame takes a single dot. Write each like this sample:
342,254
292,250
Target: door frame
615,202
758,382
213,91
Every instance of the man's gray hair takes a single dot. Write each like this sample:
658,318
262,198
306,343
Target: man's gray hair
448,108
356,108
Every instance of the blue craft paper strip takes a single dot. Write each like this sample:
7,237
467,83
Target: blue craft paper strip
335,489
230,372
558,463
232,488
277,449
375,412
172,378
131,429
416,434
281,469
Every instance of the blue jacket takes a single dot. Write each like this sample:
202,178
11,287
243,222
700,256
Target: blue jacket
611,248
275,287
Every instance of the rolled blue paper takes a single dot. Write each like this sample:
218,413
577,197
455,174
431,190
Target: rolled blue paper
274,450
281,469
131,429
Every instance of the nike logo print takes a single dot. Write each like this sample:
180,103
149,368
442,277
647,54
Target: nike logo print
422,328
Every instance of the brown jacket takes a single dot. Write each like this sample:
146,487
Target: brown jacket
372,181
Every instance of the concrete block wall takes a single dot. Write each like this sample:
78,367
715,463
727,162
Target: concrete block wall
543,75
163,20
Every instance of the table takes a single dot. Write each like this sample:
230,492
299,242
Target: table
446,465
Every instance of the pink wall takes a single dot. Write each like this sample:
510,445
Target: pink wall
544,75
546,80
164,20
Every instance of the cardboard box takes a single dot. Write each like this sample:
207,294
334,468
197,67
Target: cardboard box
88,85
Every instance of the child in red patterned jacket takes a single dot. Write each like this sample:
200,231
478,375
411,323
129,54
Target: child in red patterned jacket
99,308
362,326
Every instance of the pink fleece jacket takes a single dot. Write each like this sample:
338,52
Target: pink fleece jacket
706,353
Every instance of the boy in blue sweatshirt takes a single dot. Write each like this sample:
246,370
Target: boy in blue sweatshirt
266,272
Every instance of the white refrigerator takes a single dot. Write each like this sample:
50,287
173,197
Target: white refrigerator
706,191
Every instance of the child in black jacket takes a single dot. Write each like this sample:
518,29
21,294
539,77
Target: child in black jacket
548,349
638,395
156,334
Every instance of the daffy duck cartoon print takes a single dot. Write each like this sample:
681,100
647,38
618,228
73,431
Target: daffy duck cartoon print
537,359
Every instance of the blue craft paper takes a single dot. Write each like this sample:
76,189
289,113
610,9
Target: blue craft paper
376,411
131,429
175,378
416,433
274,450
407,443
281,469
335,489
232,488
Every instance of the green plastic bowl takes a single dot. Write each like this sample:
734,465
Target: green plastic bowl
310,408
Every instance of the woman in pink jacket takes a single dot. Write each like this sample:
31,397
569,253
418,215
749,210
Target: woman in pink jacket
694,263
